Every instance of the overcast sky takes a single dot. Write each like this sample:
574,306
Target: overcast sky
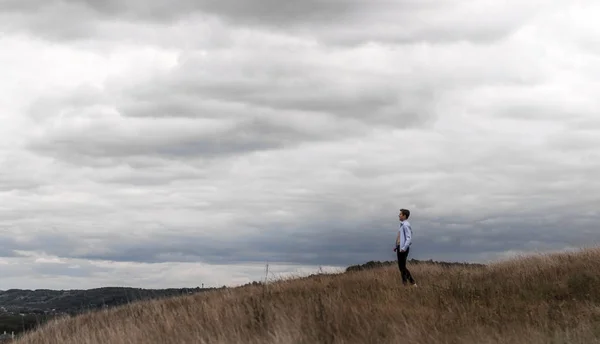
173,143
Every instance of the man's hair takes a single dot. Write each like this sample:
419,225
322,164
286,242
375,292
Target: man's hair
405,212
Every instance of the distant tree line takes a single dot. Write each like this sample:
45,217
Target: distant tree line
19,323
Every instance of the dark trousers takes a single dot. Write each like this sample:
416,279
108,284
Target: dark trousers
406,276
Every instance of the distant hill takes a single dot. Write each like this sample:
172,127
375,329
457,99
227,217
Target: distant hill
22,310
74,301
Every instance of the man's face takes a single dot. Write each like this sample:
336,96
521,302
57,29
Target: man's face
400,216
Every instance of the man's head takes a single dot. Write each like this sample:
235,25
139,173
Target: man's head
404,214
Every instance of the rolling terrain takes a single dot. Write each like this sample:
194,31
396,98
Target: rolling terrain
553,298
23,310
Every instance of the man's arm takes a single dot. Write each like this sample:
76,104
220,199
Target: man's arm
408,238
398,239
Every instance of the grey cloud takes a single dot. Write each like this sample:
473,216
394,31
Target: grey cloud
307,98
22,5
336,245
64,269
253,11
339,135
402,22
55,20
175,141
212,108
13,173
8,247
306,81
13,182
582,140
42,241
327,20
150,176
27,268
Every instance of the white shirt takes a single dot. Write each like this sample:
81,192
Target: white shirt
405,235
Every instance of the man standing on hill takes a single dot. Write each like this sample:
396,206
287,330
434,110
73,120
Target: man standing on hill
403,242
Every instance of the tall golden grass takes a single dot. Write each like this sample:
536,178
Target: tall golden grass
552,298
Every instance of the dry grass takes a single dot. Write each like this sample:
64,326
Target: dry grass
537,299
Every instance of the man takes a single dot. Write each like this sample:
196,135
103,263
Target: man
403,242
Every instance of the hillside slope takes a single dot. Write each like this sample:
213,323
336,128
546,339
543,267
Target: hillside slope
538,299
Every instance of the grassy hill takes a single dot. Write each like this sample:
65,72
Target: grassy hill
537,299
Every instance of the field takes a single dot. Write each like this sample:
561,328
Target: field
535,299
